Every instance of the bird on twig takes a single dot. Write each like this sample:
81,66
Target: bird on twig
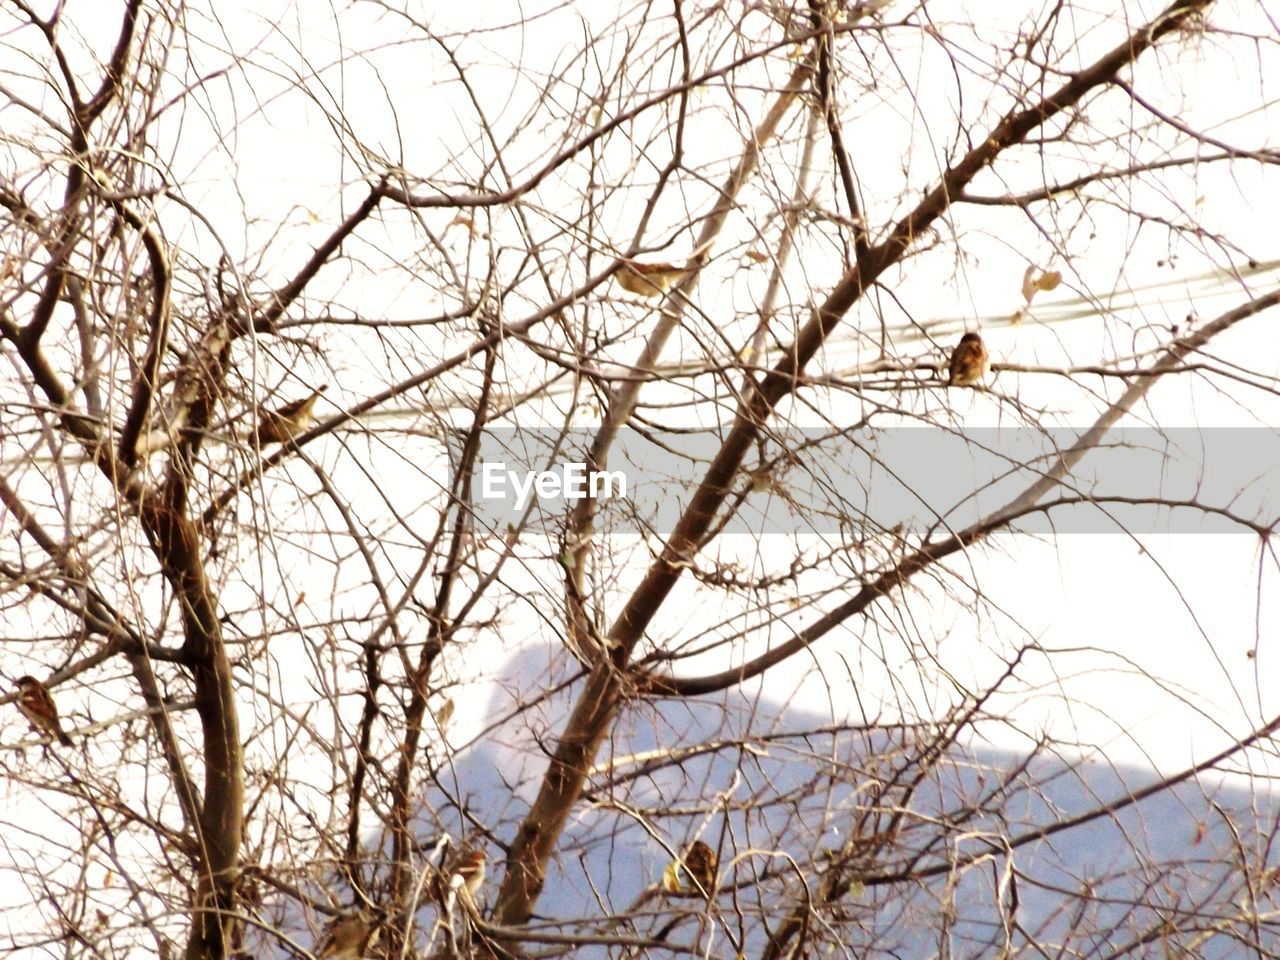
655,279
969,362
649,279
277,426
467,872
38,707
693,872
703,866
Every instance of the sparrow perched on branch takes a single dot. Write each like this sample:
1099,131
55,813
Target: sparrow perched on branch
277,426
969,362
703,866
468,872
649,279
40,710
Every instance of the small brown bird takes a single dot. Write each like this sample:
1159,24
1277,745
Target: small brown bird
350,937
277,426
969,362
649,279
39,709
703,866
469,868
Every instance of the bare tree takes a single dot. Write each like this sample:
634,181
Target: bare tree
278,285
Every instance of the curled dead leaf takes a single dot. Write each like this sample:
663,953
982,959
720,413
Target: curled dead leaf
1028,283
1034,280
671,878
1048,280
